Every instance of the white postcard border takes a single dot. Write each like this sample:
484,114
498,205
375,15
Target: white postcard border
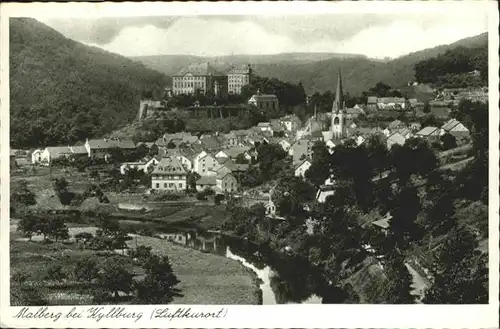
276,316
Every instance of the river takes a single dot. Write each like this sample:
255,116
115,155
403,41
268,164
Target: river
283,286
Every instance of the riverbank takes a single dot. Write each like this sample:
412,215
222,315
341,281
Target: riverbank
205,278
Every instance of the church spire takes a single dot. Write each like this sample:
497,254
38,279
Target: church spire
338,103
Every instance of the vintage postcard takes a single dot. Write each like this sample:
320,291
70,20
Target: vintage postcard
250,164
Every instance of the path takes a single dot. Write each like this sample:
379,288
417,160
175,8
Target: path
418,285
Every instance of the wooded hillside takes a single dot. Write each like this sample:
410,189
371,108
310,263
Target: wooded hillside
63,91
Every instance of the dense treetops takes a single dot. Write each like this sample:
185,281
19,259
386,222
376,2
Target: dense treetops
452,69
63,91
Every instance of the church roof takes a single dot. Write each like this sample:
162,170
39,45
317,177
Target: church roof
338,103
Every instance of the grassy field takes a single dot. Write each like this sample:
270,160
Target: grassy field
205,278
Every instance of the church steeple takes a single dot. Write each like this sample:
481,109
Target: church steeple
338,103
338,125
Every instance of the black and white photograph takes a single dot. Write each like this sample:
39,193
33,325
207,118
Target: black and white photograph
251,159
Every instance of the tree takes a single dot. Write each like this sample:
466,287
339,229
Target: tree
377,153
403,162
114,277
55,273
28,225
319,171
57,229
86,237
449,141
158,287
141,254
61,188
397,287
459,276
427,107
94,174
405,208
192,178
86,269
240,159
21,195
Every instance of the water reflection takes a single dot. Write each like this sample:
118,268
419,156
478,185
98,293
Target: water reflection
284,280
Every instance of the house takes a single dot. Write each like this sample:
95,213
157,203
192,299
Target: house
238,77
415,126
36,156
405,132
301,150
395,138
184,156
285,144
54,152
290,122
371,103
270,207
198,78
359,139
225,182
181,137
264,101
99,148
150,164
236,168
324,192
234,152
429,133
206,182
455,128
132,165
383,223
230,139
386,132
170,175
391,103
353,113
79,151
211,143
277,127
241,135
203,163
301,169
396,124
264,126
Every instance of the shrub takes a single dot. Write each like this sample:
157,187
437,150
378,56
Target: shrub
202,196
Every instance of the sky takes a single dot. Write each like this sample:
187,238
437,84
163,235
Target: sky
376,35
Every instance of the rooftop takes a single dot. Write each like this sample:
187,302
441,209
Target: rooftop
207,180
111,143
198,69
428,131
169,165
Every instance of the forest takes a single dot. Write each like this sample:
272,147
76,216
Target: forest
451,69
438,218
63,91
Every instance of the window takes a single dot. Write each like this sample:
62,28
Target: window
157,185
170,184
336,121
180,185
164,185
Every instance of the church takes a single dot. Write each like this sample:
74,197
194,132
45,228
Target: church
338,127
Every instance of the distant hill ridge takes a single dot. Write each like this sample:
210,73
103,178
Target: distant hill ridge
317,71
63,91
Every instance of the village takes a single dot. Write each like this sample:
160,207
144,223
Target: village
243,180
219,160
